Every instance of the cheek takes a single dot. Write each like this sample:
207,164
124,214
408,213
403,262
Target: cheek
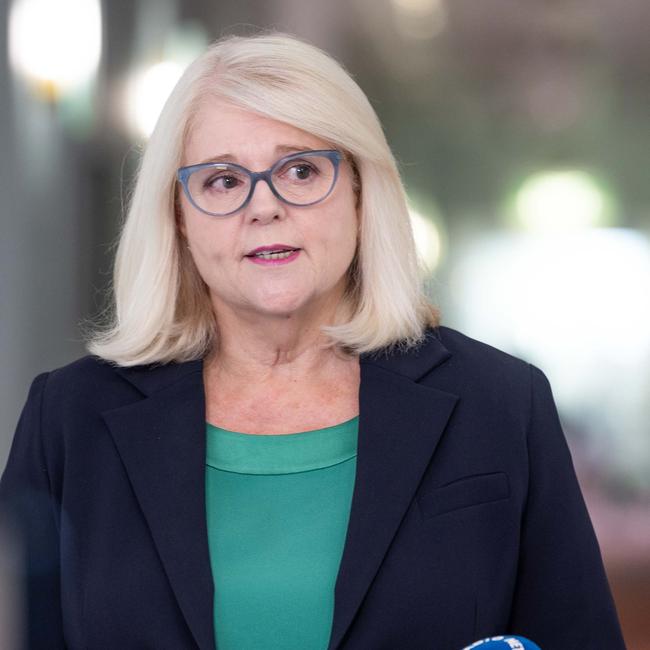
193,224
342,237
211,252
206,239
339,243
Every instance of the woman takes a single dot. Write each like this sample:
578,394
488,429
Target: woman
275,444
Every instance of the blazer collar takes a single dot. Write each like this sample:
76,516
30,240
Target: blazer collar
161,439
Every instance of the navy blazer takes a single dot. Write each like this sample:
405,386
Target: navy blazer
466,519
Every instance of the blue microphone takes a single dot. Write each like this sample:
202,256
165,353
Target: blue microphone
504,643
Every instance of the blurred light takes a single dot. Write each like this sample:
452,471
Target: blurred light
561,200
419,7
561,294
419,19
55,45
427,240
148,92
577,304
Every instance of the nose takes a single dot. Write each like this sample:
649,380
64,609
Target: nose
264,205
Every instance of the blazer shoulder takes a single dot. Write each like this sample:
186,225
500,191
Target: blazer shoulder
478,354
91,381
85,366
62,404
88,382
475,367
85,371
447,355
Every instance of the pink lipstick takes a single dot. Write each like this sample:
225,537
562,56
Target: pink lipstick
273,254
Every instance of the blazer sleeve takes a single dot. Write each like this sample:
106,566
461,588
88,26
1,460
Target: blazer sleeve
562,599
29,519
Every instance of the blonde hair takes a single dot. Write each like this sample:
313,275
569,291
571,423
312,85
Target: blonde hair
161,310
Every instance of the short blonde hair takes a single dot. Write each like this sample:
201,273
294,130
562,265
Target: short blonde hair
161,310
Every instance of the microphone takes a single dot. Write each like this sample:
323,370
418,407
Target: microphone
504,643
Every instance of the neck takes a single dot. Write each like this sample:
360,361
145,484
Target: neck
289,348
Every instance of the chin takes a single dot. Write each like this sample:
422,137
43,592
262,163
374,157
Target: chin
281,303
279,310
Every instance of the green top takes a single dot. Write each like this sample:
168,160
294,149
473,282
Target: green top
277,514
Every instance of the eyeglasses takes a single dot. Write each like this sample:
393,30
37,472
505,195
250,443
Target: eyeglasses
222,188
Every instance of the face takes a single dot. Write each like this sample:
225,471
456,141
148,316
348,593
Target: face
325,233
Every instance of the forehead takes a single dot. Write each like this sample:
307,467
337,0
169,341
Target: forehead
223,131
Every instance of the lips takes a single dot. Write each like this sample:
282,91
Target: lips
272,248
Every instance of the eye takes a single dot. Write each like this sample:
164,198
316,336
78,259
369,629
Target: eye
303,170
300,171
228,182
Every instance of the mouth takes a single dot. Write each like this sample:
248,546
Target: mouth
273,252
274,258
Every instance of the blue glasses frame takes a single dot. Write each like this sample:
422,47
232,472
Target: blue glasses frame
183,175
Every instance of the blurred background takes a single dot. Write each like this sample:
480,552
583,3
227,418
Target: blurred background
522,132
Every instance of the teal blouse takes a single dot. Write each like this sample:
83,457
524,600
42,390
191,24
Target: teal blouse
277,514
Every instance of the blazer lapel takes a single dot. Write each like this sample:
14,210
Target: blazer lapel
161,440
400,424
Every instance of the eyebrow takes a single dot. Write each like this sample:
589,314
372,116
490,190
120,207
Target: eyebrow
280,149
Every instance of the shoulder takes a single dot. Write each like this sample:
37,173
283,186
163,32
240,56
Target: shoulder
88,385
63,406
497,379
93,383
82,377
459,364
84,368
447,354
467,353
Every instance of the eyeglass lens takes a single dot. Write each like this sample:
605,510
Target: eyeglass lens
223,188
